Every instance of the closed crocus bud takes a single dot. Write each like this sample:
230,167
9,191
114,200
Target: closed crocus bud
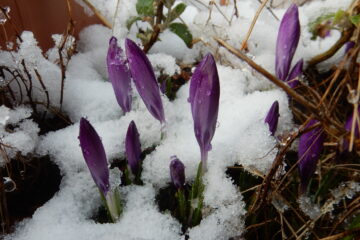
144,79
204,100
119,75
94,155
272,117
287,41
177,172
310,148
295,72
133,148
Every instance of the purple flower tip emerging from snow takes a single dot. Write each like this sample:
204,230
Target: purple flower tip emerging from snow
94,155
119,75
310,148
204,100
177,172
133,148
287,41
295,72
272,117
144,79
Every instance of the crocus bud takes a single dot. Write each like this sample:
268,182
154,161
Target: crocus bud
295,72
144,79
177,172
272,117
94,155
119,75
133,148
310,148
287,41
204,99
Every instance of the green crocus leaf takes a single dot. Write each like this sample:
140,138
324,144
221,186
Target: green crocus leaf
183,32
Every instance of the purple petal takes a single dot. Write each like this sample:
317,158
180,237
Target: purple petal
287,41
133,148
177,172
144,79
349,45
204,99
119,75
94,155
272,117
295,72
310,148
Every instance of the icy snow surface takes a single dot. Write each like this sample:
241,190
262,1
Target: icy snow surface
241,136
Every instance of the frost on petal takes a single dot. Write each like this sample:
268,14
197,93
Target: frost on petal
204,99
296,71
272,117
133,148
144,79
94,155
119,75
287,41
310,148
177,172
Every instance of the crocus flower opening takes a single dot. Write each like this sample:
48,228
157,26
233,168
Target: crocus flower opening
295,72
94,155
310,148
287,41
177,172
133,148
119,75
144,79
204,99
272,117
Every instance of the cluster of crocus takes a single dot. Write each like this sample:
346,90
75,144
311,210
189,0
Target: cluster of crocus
204,99
286,44
138,67
310,148
272,117
95,158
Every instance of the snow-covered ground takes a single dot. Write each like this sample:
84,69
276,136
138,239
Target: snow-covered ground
241,136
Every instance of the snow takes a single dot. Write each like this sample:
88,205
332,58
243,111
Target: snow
241,136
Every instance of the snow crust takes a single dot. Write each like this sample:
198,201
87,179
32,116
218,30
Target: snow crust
241,137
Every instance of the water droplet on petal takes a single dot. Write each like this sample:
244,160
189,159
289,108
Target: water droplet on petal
208,93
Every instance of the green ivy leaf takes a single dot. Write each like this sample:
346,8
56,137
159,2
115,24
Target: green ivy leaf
176,12
131,21
145,7
183,32
355,20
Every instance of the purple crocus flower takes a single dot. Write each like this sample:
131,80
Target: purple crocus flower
272,117
119,75
144,79
133,148
295,72
204,98
94,155
287,41
177,172
310,148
